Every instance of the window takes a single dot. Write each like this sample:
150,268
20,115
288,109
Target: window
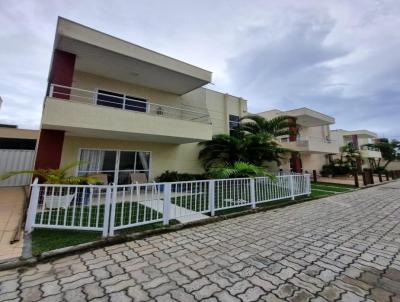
119,100
233,122
117,164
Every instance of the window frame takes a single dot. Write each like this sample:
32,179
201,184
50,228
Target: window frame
124,98
116,170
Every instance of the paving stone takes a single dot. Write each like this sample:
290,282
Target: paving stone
206,291
119,297
331,293
31,293
196,284
344,247
285,290
181,295
74,295
301,296
252,294
50,288
239,287
138,294
93,290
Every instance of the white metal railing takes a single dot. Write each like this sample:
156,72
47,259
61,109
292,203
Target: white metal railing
108,208
318,139
125,102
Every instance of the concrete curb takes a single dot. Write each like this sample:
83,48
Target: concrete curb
121,238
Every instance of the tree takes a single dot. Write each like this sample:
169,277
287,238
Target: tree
349,155
278,126
390,152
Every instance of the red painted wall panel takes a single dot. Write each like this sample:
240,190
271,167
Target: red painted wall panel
49,150
62,73
292,129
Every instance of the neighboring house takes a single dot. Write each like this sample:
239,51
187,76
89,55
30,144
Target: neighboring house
17,152
359,138
123,109
312,141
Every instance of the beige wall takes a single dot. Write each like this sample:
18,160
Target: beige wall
182,158
19,133
218,105
313,161
165,156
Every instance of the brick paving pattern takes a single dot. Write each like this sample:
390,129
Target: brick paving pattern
341,248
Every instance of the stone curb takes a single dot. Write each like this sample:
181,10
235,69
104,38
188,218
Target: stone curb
62,252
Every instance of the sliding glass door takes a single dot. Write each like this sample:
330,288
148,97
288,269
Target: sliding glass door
117,166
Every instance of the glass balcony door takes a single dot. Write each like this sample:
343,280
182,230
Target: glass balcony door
117,166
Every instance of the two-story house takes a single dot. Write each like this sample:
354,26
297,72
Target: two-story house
310,140
124,110
359,139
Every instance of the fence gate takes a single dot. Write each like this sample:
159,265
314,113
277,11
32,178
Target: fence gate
12,160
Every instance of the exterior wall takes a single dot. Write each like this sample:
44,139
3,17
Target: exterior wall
313,161
19,133
181,158
217,104
49,150
394,165
62,70
93,82
320,132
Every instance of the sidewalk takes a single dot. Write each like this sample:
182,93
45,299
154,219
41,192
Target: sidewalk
11,207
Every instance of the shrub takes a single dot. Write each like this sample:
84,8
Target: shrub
173,176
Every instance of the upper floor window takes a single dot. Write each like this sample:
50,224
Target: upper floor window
119,100
234,121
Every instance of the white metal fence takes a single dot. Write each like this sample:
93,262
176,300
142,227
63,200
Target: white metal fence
116,207
14,160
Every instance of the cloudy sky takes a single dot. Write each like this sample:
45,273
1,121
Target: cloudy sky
338,57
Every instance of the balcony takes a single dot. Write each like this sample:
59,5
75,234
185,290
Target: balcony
312,144
370,152
81,112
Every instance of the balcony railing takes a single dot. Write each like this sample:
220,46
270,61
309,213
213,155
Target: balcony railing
310,139
126,103
369,148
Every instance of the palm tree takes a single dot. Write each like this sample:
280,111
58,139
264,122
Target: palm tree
277,126
252,148
55,176
223,148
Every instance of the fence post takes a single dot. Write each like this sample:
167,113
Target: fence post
33,202
167,203
364,178
314,172
308,179
356,183
380,176
211,196
252,193
113,206
291,186
106,218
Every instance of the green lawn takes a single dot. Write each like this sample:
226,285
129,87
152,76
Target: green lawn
328,189
44,240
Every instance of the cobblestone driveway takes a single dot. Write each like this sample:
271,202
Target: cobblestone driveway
345,248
